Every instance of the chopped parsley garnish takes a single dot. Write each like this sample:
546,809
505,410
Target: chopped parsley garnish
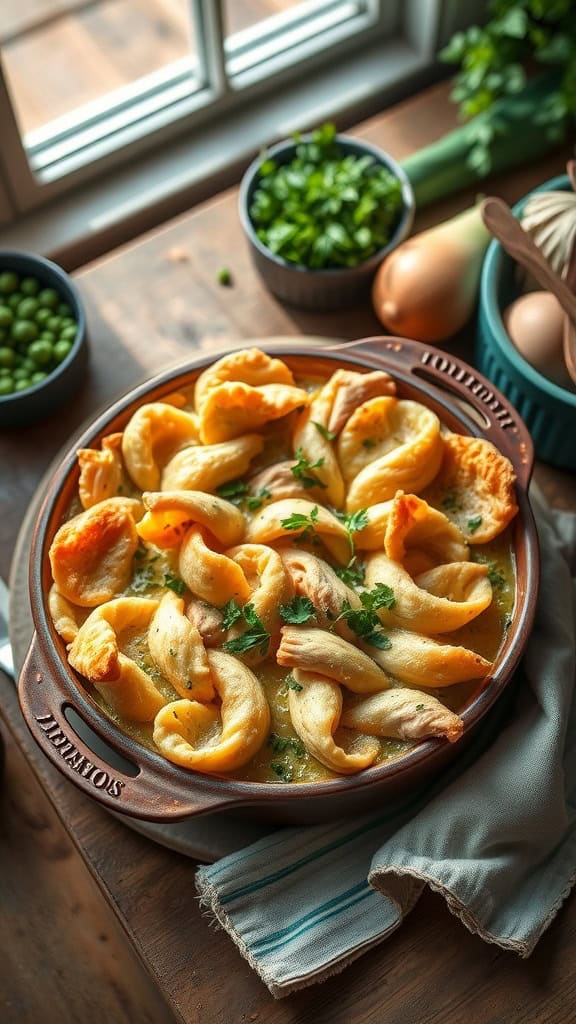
419,707
474,523
255,501
144,577
365,623
171,652
255,636
354,522
382,596
234,491
329,435
451,502
188,684
232,613
352,574
280,744
368,443
299,610
300,521
283,771
174,583
291,684
224,277
496,578
301,471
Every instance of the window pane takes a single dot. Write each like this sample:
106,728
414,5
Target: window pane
239,16
62,54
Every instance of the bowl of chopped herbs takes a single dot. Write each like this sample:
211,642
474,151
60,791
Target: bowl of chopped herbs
320,212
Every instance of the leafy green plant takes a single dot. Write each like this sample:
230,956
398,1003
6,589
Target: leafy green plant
493,60
325,208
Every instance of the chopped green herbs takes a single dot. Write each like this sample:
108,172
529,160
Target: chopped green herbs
299,610
144,577
354,523
281,744
365,622
351,574
496,578
474,523
300,521
255,636
233,491
382,596
224,277
325,207
255,501
174,583
301,471
283,771
451,502
291,684
328,435
419,707
368,443
232,612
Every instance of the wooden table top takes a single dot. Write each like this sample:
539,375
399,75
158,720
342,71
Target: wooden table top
152,304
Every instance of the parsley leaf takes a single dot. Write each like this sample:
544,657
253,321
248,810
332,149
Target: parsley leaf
283,771
232,612
474,523
451,502
354,523
301,470
291,684
300,521
299,610
174,583
382,596
280,744
255,636
352,574
255,501
144,577
496,578
365,622
233,491
329,435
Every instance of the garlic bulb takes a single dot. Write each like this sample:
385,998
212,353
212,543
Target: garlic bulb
550,217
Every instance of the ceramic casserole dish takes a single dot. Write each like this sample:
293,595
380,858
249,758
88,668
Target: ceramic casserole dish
155,789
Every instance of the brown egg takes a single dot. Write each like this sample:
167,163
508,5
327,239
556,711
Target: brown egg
534,323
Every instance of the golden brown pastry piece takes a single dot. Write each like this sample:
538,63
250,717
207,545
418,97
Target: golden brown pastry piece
232,409
210,574
475,488
206,467
100,471
208,739
422,661
151,437
315,711
315,650
91,555
96,653
178,650
248,365
169,514
302,517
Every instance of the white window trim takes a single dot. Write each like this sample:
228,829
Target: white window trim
187,167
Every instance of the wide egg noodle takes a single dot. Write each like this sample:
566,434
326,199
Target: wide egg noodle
210,574
96,654
152,435
417,660
315,650
178,651
245,721
315,710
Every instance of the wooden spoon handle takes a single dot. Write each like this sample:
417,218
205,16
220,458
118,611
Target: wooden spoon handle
502,223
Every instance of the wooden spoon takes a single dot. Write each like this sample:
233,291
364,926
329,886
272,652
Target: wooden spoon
502,223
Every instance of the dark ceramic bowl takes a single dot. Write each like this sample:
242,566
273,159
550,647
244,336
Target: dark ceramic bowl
153,788
23,407
548,410
320,289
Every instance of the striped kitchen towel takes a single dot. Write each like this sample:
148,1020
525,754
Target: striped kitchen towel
496,835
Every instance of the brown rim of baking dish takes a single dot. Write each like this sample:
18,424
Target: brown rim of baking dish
160,791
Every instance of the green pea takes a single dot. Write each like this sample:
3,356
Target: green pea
49,297
24,331
23,384
20,374
9,282
68,321
54,323
61,349
27,309
5,371
48,336
7,356
64,309
30,286
6,316
14,300
68,334
41,352
42,316
38,377
6,385
29,365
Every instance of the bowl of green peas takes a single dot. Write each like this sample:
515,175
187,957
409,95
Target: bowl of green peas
43,342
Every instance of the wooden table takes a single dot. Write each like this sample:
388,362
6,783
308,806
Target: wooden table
72,953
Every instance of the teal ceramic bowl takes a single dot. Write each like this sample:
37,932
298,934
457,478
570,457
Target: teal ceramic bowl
548,410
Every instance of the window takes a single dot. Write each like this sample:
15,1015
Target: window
92,88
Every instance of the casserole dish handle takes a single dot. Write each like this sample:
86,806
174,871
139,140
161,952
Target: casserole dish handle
155,794
500,422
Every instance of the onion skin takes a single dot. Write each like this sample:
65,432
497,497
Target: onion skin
426,289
